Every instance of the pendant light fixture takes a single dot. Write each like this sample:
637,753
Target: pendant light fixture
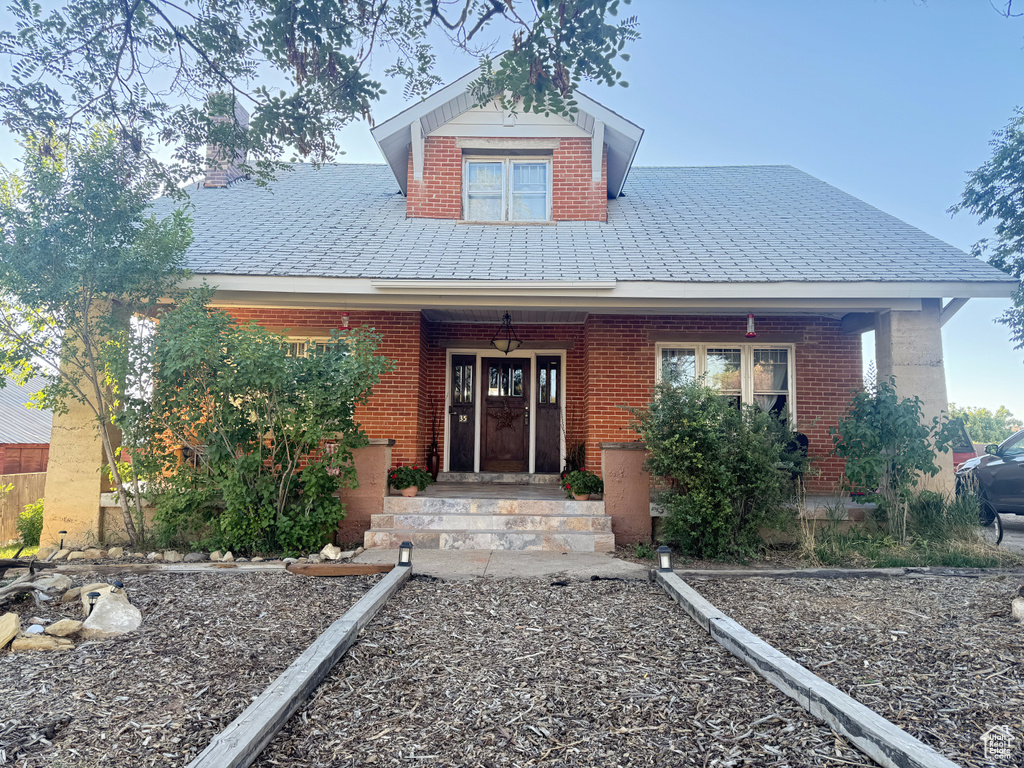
505,340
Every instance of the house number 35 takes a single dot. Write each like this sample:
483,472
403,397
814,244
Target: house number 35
463,418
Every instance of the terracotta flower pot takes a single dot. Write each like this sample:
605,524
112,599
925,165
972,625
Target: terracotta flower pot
581,496
411,491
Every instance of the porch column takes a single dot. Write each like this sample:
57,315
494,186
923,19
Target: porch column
372,464
627,491
908,346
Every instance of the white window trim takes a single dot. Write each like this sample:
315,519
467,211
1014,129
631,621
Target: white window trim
746,365
307,340
506,192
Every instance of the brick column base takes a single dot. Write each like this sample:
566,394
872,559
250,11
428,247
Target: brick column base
372,464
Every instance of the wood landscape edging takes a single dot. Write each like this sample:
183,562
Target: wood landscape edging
241,742
881,740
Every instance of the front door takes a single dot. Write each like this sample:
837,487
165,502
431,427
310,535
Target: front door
462,428
505,430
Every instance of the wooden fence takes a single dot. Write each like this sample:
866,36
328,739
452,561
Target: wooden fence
28,487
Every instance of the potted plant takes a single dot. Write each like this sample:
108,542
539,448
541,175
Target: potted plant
581,483
409,480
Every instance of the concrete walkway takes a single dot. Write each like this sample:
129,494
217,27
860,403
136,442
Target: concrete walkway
504,564
1013,533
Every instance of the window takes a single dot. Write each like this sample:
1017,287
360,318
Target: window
754,374
305,348
507,190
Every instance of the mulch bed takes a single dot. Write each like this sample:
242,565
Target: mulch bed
522,673
940,657
208,645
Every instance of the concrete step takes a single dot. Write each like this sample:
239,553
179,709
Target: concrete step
536,523
526,541
425,505
506,478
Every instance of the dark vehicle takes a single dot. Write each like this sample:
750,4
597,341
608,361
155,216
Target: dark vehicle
999,476
962,447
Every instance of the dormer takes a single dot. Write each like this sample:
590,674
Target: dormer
456,159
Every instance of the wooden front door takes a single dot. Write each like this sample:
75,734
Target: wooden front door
505,430
462,428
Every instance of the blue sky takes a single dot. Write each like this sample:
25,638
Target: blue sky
890,100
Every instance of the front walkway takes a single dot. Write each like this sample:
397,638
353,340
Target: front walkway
504,564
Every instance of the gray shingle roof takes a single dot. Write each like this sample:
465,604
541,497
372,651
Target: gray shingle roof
19,424
701,224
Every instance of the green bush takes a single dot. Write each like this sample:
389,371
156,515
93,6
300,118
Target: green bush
728,472
30,523
582,482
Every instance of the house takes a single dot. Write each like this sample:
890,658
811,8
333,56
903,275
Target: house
761,277
24,431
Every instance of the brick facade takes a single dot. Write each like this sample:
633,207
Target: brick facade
574,196
610,363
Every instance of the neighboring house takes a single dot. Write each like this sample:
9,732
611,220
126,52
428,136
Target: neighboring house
24,431
613,276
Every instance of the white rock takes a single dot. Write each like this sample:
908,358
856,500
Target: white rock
35,629
156,557
257,560
76,556
115,553
10,626
112,615
172,556
227,557
62,554
242,560
215,556
41,643
63,628
330,552
314,559
53,582
347,554
290,560
1017,608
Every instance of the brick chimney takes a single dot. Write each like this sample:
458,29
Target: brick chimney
222,171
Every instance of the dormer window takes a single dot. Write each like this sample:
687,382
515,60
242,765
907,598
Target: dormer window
507,189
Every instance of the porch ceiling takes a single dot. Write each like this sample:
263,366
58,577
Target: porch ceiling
520,317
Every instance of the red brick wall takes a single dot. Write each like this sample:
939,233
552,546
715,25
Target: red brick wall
611,364
621,365
393,411
574,197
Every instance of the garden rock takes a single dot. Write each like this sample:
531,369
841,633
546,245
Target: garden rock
35,629
227,557
216,555
62,554
41,643
331,552
76,556
71,595
53,582
38,620
256,560
171,556
242,560
115,553
43,552
1017,608
156,557
63,628
112,615
10,626
94,554
195,557
290,560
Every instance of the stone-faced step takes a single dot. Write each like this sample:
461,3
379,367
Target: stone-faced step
526,541
399,505
502,478
543,523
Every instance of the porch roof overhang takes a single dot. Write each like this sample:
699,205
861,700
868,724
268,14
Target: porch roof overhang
832,299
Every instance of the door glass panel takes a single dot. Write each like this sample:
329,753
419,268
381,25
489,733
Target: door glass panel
724,370
504,382
517,382
678,366
492,380
553,393
467,384
543,388
457,385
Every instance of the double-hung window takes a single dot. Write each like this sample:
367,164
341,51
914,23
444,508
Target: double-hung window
507,189
754,374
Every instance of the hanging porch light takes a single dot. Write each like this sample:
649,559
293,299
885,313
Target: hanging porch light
505,340
751,334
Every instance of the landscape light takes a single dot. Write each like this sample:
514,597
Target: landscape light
664,559
62,535
117,586
93,597
405,553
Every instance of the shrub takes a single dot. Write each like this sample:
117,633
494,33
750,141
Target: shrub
406,477
30,523
728,472
582,482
